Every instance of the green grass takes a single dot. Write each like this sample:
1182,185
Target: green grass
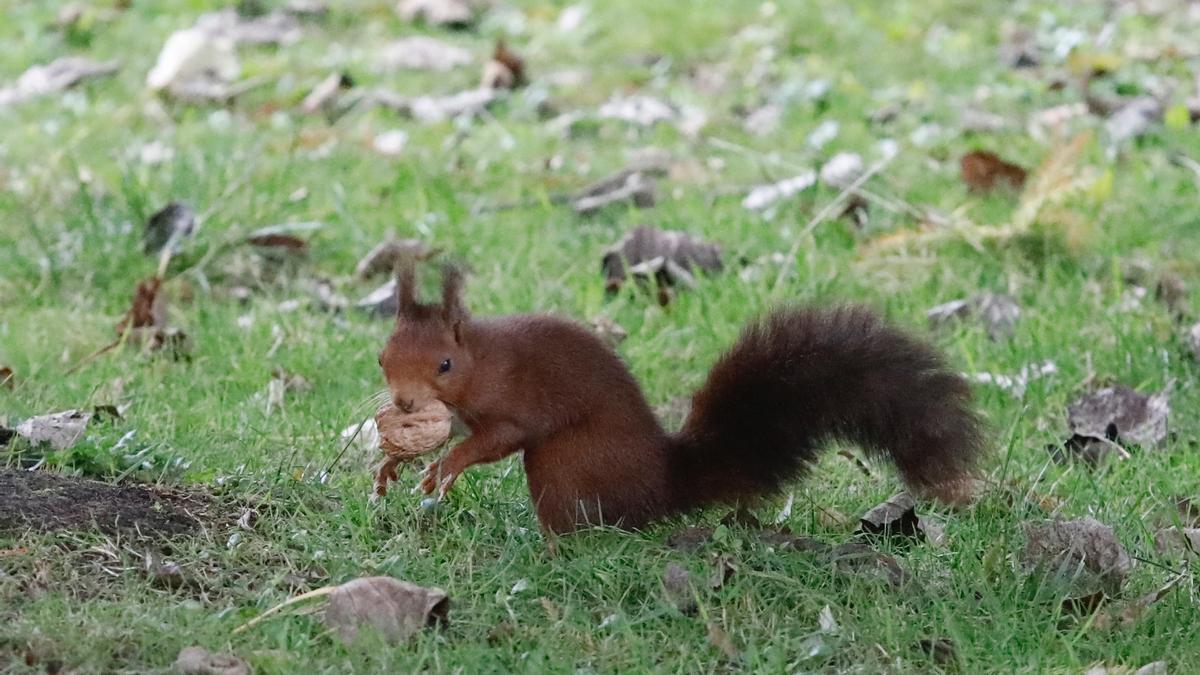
70,256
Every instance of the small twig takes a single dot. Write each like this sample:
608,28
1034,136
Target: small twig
825,213
317,593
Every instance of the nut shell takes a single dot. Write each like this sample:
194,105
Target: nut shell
409,435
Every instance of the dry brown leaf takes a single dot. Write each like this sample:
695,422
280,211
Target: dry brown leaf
1121,414
200,661
677,583
383,259
1084,551
280,241
397,609
61,430
448,13
58,75
668,257
721,640
896,517
168,227
724,567
421,52
984,171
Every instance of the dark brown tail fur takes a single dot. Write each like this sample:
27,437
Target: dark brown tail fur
802,377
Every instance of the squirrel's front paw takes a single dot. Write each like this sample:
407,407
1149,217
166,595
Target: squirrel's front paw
437,477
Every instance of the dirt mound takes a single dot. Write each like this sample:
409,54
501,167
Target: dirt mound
37,500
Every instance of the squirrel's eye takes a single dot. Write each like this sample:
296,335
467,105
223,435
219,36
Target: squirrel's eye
444,367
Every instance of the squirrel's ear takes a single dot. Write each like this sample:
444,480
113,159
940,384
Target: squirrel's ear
406,294
453,310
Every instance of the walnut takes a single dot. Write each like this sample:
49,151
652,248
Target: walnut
406,436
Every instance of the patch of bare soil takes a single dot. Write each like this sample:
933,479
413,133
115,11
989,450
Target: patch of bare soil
42,501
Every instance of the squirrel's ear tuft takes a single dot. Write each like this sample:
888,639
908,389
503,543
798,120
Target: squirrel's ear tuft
406,282
454,312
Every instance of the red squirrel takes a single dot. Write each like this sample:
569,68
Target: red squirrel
595,453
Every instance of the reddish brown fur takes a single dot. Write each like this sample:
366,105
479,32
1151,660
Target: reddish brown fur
593,450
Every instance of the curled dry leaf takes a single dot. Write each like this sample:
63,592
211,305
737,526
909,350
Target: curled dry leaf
61,430
1092,451
200,661
420,52
765,196
505,70
1084,551
406,436
168,227
58,75
677,582
384,258
1121,414
984,171
667,256
896,517
998,312
397,609
145,322
449,13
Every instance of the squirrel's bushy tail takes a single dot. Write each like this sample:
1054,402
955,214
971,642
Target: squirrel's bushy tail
798,378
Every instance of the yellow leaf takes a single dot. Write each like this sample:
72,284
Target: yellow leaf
1177,117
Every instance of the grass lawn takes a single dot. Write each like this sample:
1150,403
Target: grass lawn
79,177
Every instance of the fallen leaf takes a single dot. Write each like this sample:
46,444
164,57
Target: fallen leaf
384,258
1134,118
58,75
643,111
61,430
605,328
1128,614
1178,541
861,559
628,186
842,170
984,171
1091,450
272,28
896,518
397,609
1122,415
690,538
724,567
999,313
668,257
718,638
324,96
765,196
420,52
200,661
432,109
390,143
168,227
505,70
194,58
449,13
1084,552
677,583
164,573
